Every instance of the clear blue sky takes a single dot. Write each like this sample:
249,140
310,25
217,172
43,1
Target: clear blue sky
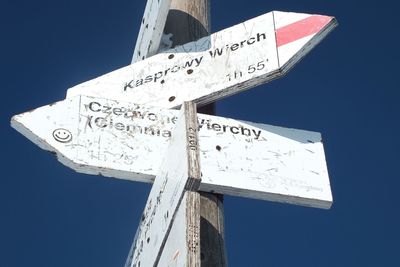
347,89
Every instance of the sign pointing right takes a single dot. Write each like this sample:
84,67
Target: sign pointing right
224,63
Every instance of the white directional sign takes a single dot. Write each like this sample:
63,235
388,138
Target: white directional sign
125,140
151,29
167,192
229,61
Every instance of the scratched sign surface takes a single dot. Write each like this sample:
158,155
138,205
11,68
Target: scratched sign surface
125,140
227,62
165,197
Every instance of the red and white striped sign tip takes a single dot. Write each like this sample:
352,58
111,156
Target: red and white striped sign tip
294,31
302,28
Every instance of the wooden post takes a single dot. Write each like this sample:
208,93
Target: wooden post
189,20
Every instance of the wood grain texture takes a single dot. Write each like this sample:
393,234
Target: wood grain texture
193,229
189,20
192,146
180,165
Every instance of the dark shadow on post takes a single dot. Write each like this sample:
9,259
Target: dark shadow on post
212,243
177,19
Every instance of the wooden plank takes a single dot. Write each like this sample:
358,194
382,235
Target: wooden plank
125,140
174,177
182,247
214,67
151,29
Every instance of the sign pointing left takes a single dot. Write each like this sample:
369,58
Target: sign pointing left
128,141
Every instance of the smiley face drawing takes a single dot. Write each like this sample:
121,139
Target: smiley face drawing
62,135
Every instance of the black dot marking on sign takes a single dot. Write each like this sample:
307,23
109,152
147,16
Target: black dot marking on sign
189,71
218,148
171,56
172,98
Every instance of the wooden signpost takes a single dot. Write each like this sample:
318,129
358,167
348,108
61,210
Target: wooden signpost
117,125
174,178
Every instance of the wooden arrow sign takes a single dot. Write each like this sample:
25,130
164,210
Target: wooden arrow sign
169,188
225,63
125,140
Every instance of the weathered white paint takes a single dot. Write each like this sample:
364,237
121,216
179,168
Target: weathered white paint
182,247
176,249
125,140
167,191
151,29
227,62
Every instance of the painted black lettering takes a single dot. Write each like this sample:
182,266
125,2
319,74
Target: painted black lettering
188,64
158,75
218,51
257,134
216,127
128,85
148,79
106,110
139,82
92,108
245,131
251,41
198,61
117,111
236,129
259,35
175,69
235,47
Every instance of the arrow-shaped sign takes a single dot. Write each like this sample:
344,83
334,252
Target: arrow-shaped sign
169,187
125,140
227,62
